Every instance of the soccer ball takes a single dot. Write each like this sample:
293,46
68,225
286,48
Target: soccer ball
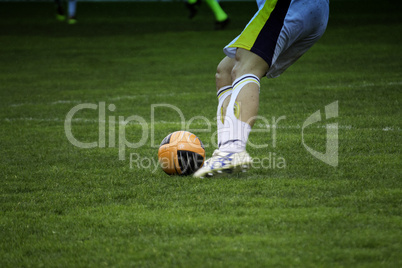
181,153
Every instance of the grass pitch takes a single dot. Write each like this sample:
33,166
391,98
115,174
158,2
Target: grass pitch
62,205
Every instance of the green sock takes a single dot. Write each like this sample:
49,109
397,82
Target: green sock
220,15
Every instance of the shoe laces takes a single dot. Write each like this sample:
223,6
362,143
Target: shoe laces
217,156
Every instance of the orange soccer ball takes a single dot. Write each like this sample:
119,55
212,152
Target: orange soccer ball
181,153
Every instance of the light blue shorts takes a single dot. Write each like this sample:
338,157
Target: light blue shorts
282,31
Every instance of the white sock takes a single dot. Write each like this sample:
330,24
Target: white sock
223,93
235,132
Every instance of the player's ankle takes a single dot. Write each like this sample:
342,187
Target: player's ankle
233,147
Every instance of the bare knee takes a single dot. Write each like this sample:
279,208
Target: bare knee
248,63
223,73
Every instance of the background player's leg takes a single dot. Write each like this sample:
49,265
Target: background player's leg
193,6
59,10
72,6
220,15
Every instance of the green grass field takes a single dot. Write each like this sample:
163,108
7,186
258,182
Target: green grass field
66,206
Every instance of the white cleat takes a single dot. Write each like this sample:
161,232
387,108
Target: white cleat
222,163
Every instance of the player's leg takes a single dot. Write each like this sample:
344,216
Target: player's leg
243,105
223,76
59,10
249,64
242,108
221,17
72,7
232,109
224,90
245,64
220,14
193,6
223,162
